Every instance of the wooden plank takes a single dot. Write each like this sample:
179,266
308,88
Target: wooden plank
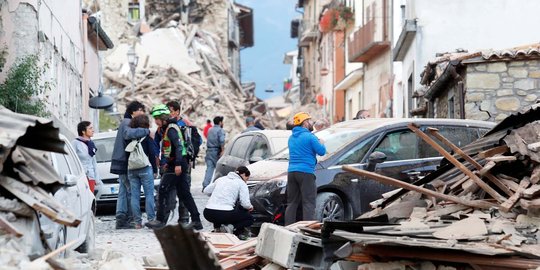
494,151
483,185
8,227
397,183
239,262
484,170
500,158
535,175
191,35
507,205
459,182
240,247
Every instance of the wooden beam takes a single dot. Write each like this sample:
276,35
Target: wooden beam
477,165
397,183
8,227
500,158
507,205
494,151
483,185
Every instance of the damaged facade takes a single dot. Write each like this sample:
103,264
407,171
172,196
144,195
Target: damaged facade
63,38
488,85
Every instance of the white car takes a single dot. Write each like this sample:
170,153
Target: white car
76,195
107,194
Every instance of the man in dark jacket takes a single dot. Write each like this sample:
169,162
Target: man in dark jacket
174,171
301,187
119,162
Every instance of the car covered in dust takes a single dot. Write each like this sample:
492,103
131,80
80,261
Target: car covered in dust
342,195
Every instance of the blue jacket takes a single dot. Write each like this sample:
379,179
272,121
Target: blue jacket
303,148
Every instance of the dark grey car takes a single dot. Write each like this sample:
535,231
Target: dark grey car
343,195
250,147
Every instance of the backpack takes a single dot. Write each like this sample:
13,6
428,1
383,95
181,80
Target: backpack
192,142
137,158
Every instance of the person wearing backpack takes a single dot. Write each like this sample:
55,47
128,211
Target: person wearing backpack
175,167
142,167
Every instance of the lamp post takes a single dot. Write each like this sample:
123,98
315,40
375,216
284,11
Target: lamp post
133,59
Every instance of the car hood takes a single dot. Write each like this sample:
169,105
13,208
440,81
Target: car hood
104,170
267,169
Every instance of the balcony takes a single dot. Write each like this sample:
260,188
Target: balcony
368,42
309,32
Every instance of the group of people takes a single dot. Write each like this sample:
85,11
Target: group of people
229,205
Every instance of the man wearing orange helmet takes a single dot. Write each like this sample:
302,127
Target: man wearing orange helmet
301,187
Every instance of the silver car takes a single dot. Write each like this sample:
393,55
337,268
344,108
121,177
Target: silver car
107,194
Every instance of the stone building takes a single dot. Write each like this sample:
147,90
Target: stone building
487,85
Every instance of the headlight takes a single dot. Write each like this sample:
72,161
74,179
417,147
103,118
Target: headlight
271,186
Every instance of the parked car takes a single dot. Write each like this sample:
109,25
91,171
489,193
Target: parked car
343,195
76,195
107,194
250,147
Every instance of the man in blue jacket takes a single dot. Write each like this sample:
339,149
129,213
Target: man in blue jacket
303,150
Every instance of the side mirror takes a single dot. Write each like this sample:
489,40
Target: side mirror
374,159
254,159
70,180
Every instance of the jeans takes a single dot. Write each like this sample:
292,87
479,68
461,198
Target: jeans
123,211
144,177
212,156
301,191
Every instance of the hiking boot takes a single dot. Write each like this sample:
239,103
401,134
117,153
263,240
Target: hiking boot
194,225
229,228
154,224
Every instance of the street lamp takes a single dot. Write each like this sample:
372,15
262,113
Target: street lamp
133,59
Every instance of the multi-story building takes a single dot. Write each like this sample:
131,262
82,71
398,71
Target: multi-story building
431,27
66,42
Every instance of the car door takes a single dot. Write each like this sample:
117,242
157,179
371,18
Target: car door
73,187
236,157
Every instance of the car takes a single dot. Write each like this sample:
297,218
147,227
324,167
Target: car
76,195
250,147
107,194
342,195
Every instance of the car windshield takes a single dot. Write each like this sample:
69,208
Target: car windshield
105,148
334,139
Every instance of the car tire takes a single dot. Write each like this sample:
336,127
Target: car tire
90,241
329,206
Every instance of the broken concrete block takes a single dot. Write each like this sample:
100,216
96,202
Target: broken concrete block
344,265
122,263
272,266
464,229
157,259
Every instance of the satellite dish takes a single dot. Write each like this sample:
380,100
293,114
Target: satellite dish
101,101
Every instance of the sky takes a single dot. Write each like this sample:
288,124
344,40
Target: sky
263,63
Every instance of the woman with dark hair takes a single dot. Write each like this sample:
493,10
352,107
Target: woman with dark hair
229,203
144,176
86,150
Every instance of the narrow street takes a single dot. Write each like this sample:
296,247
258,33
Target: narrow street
143,242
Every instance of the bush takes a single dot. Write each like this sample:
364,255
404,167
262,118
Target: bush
22,86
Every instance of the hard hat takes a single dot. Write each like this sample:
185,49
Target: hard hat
300,117
160,109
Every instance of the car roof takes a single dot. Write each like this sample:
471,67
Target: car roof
104,135
272,133
375,123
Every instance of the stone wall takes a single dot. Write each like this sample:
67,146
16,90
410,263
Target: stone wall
496,90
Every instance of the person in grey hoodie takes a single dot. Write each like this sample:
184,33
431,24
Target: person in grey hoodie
119,162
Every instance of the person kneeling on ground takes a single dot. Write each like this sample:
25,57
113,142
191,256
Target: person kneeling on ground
222,209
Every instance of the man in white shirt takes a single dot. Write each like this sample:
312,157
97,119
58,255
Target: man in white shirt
229,203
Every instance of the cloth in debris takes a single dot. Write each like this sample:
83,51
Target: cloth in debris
303,148
85,150
225,191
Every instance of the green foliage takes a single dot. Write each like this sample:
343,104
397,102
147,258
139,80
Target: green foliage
19,92
107,122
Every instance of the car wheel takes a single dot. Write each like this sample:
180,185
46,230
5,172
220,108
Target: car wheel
90,240
329,206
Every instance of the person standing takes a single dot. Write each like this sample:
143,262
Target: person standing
303,150
86,150
207,128
174,170
222,209
214,148
250,123
143,176
119,162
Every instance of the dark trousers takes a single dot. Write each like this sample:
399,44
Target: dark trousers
239,218
183,213
301,191
170,182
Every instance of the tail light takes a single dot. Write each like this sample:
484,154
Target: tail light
92,184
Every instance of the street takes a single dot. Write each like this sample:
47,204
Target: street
143,242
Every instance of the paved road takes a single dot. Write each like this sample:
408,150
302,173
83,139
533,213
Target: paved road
143,241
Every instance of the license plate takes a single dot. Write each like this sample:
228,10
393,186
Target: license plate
114,190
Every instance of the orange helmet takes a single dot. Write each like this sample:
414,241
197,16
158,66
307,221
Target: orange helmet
300,117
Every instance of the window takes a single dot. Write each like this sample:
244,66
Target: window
62,164
104,149
259,149
459,136
73,164
399,145
241,146
357,153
